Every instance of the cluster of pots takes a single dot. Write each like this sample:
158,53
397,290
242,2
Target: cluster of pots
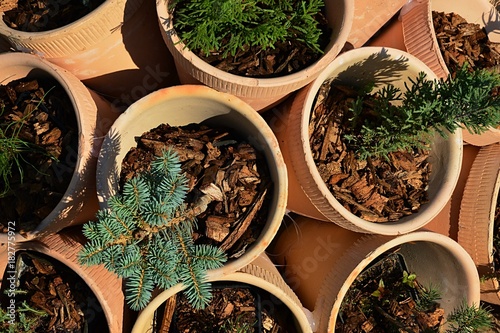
126,72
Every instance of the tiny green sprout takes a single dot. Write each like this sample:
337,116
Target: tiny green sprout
237,325
427,298
469,319
27,319
409,279
379,293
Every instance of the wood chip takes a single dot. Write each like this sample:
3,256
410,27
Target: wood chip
168,314
243,224
217,227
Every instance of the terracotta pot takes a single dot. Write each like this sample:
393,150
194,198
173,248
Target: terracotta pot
106,286
106,49
446,222
261,94
445,154
4,255
391,35
369,17
420,40
94,117
322,260
260,273
477,217
297,201
187,104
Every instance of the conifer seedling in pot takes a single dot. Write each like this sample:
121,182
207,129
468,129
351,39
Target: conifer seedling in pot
371,148
259,38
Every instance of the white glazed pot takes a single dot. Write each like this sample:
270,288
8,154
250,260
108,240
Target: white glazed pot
116,49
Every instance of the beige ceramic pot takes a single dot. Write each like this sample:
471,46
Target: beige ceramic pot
182,105
261,273
116,49
106,286
420,40
445,154
94,117
322,260
476,232
261,94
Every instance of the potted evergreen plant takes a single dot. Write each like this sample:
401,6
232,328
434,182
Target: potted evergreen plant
419,22
186,26
101,42
146,236
409,106
93,116
322,261
182,105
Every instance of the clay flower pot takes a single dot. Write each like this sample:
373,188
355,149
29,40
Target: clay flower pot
369,17
420,40
260,273
261,94
358,67
182,105
106,286
106,49
477,217
322,260
94,117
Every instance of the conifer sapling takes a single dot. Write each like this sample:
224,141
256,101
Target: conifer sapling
382,126
145,236
227,26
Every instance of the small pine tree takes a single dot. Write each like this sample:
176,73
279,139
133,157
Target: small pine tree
145,236
425,107
469,319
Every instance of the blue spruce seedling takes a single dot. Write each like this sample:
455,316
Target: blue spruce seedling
145,236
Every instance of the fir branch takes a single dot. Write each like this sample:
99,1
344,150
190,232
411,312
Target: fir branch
145,236
139,288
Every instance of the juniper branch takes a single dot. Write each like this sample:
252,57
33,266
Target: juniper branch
427,106
226,26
